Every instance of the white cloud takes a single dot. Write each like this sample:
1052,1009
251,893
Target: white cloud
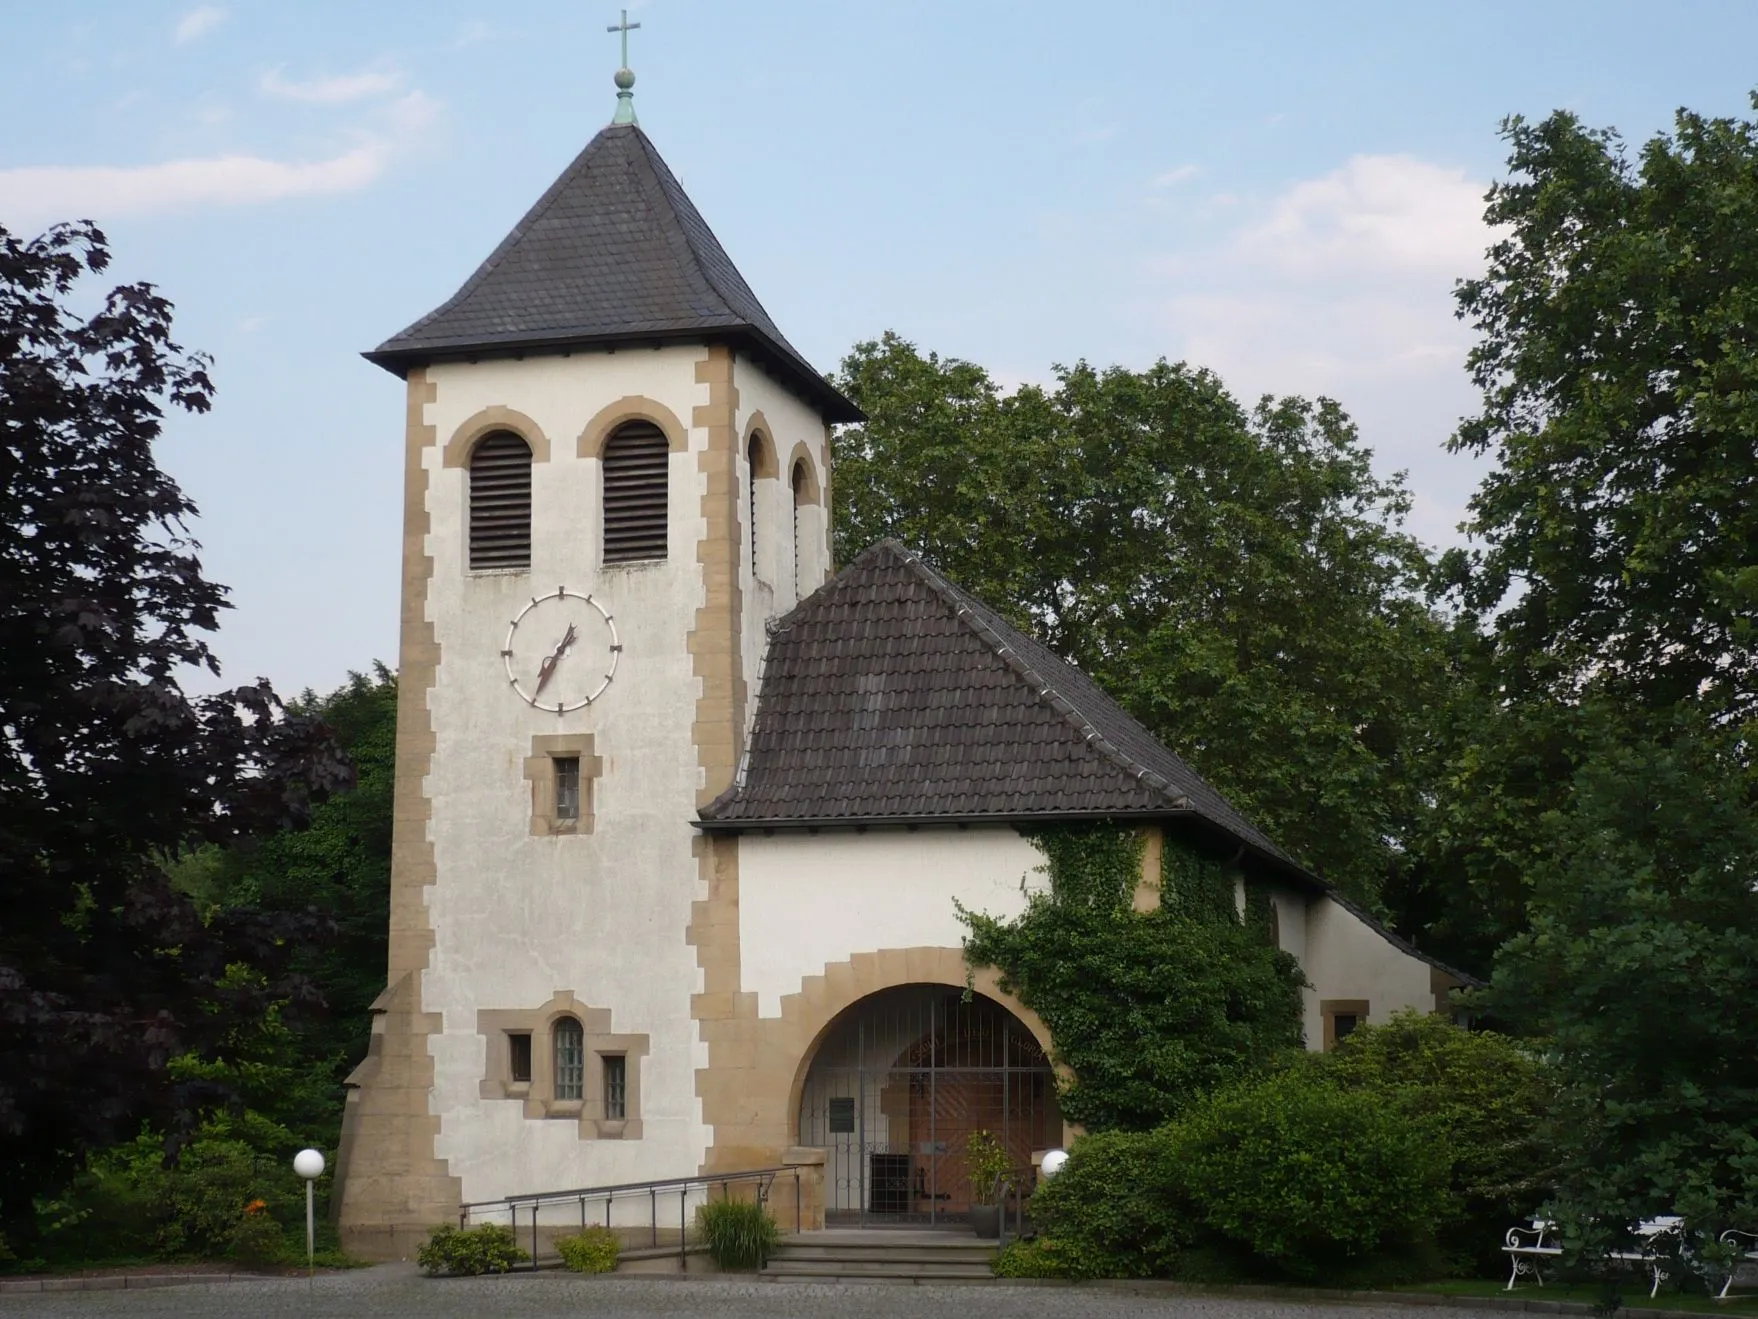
1173,177
33,196
1377,214
199,22
44,194
1342,285
338,90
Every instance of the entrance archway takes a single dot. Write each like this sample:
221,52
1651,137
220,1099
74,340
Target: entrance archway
901,1081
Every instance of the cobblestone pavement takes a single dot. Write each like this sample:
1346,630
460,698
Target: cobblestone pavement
397,1290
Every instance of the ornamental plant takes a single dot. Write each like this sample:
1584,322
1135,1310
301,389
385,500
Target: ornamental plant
470,1251
591,1250
740,1234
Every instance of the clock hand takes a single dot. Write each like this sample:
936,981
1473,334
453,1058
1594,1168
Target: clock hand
546,670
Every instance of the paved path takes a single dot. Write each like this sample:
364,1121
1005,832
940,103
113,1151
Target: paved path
396,1291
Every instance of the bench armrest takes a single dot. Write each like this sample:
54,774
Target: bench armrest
1733,1236
1529,1238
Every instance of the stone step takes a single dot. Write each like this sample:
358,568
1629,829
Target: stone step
957,1254
781,1270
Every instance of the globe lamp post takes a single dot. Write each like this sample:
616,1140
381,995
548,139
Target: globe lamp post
309,1164
1052,1162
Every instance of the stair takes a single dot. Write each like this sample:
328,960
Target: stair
882,1255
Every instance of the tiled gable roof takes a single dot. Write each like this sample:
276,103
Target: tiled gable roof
614,252
892,695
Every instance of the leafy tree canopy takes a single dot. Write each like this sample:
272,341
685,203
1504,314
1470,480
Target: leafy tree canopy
107,767
1618,362
1640,967
1237,578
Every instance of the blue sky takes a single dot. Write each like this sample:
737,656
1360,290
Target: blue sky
1284,192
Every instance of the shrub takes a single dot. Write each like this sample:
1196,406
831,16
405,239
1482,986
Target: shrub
740,1233
1117,1209
592,1250
1487,1100
466,1252
258,1239
1309,1177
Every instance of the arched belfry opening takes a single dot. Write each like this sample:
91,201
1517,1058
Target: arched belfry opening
899,1083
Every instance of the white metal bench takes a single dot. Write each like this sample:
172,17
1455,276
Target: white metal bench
1747,1255
1527,1247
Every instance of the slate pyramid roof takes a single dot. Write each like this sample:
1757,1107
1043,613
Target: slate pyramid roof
613,253
892,696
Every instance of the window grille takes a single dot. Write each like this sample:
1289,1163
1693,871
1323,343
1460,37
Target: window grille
616,1087
567,787
570,1059
519,1051
500,502
635,508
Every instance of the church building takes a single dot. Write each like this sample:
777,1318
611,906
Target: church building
684,809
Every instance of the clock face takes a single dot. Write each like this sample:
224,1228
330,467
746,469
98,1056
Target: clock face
561,651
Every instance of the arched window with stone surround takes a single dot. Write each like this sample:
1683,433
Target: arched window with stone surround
570,1059
500,502
635,502
801,478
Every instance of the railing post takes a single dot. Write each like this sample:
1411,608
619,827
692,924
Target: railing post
683,1197
653,1212
797,1219
607,1200
534,1205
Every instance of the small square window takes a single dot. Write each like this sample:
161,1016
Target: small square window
1343,1025
616,1087
519,1057
567,787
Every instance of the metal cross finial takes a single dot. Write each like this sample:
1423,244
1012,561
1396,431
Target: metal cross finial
625,76
625,27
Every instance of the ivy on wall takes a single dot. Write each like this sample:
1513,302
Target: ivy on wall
1149,1009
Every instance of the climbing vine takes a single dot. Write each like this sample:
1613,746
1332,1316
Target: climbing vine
1148,1009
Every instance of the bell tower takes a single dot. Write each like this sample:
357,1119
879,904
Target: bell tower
615,474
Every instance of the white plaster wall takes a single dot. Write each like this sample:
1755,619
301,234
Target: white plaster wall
1291,921
1347,958
604,915
806,900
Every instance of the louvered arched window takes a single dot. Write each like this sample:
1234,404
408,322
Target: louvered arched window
500,502
753,457
634,493
800,497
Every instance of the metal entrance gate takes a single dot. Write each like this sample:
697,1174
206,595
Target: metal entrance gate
902,1081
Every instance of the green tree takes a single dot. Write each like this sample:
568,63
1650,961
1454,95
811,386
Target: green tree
1641,970
107,767
1237,578
338,867
1618,360
1149,1009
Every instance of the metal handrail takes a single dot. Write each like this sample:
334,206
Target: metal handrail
510,1205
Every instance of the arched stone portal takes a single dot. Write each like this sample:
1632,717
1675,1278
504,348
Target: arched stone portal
900,1081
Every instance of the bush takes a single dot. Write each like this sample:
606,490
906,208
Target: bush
1311,1178
740,1233
1485,1099
258,1239
1117,1209
592,1250
466,1252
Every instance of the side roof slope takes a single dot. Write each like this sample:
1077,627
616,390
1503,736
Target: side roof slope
892,695
613,252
